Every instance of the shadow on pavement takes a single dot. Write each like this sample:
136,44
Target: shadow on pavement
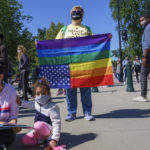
126,113
58,102
17,145
58,98
23,112
66,139
111,91
73,140
118,84
140,90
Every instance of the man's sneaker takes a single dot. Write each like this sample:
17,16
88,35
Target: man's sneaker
140,99
3,147
70,117
89,117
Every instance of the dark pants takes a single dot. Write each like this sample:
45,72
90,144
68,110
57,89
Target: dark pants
6,76
25,84
7,137
5,70
137,75
137,71
144,74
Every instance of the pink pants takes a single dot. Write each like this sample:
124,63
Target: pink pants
41,131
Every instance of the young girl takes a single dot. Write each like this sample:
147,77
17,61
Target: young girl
47,124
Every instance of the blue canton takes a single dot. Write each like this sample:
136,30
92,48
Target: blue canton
57,75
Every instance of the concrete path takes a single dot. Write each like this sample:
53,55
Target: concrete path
121,123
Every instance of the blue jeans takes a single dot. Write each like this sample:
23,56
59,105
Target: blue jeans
71,95
117,76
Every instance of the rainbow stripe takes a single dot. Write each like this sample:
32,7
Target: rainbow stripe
76,62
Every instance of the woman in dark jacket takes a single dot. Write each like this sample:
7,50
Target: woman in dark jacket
24,67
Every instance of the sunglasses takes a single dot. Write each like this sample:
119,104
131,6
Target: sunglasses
78,12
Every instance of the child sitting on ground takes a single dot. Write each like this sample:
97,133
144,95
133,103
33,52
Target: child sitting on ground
47,117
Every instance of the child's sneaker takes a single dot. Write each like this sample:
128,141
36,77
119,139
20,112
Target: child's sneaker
62,147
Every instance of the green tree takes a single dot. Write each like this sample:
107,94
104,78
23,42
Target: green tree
130,12
41,34
28,41
11,25
53,30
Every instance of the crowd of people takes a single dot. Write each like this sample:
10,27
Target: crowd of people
135,69
139,66
47,121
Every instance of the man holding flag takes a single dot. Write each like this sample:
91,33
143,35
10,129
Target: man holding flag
76,29
76,60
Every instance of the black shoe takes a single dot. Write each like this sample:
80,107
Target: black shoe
3,147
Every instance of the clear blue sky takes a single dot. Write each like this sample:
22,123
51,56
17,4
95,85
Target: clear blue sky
97,15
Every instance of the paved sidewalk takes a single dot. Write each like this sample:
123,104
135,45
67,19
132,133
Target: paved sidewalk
120,124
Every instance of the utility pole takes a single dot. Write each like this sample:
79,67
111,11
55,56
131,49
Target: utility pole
119,34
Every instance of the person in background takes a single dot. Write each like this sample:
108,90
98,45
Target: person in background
76,29
8,112
145,67
24,67
118,71
137,67
124,64
47,122
3,57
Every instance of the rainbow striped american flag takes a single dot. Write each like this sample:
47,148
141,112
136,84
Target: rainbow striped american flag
76,62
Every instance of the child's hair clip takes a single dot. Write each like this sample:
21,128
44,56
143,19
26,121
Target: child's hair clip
40,81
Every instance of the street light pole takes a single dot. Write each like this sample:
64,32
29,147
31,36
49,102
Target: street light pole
119,34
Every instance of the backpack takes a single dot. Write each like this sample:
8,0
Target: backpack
65,28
